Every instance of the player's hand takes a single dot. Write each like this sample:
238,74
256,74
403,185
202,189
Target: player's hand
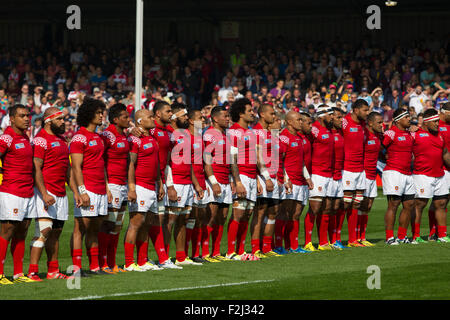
240,190
48,200
85,200
160,194
132,196
172,194
310,184
136,131
269,186
259,189
216,190
110,196
288,186
77,198
200,192
233,188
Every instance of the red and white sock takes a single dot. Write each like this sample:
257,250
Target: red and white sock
332,228
287,234
363,218
441,231
294,234
340,217
92,254
180,256
233,227
309,226
241,236
76,257
112,249
267,244
18,252
206,231
279,232
255,245
142,252
156,235
389,234
401,233
103,242
196,241
52,266
3,249
323,229
432,221
129,254
352,221
217,239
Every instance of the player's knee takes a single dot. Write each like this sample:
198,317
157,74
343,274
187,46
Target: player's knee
440,203
42,231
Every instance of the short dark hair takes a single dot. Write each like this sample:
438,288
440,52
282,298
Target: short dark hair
159,105
238,107
13,110
359,104
337,109
115,110
398,112
191,113
177,106
216,110
445,106
430,112
86,112
371,117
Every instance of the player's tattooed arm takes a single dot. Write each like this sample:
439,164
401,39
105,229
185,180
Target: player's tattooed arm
446,157
39,182
131,177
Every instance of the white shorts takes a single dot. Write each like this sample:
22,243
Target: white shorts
397,184
299,193
447,178
58,211
336,190
352,181
15,208
185,193
161,204
322,186
371,189
428,187
275,194
226,197
146,200
250,187
98,207
120,195
200,203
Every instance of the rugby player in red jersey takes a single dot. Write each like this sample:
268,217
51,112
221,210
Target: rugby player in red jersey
180,183
372,147
398,184
88,180
16,192
322,172
143,178
244,171
444,129
353,177
217,170
296,177
430,153
51,172
337,214
116,156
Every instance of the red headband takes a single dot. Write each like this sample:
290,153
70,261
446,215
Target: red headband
52,116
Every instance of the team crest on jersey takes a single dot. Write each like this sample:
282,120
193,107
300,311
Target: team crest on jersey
396,188
294,144
325,136
371,142
336,138
91,208
180,140
19,146
116,200
353,129
160,134
347,182
148,145
142,202
55,144
246,138
121,145
442,129
179,199
423,135
319,188
304,141
401,138
422,190
92,143
267,140
16,211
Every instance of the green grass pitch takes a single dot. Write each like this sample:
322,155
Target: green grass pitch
406,272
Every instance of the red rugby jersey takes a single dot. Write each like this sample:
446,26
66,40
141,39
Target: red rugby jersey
216,144
444,129
428,150
307,151
338,154
291,145
162,136
322,150
116,155
53,150
371,151
147,151
17,164
353,144
181,157
399,150
90,144
269,157
245,141
197,159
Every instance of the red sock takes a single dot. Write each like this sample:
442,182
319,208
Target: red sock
352,221
33,268
187,240
92,254
52,266
267,244
255,245
3,249
167,247
340,217
432,221
389,234
217,241
279,232
363,226
309,226
323,234
358,224
180,256
103,242
129,254
332,228
196,242
205,240
112,250
441,231
401,233
76,257
18,252
416,230
287,234
318,223
157,236
142,252
294,234
241,236
233,227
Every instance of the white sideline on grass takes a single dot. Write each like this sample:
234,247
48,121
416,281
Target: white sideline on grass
170,290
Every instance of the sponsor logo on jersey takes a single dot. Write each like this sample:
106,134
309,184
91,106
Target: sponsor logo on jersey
55,144
423,135
180,140
196,145
443,129
370,142
325,136
160,134
304,141
148,145
246,138
401,138
19,146
121,145
267,140
294,144
221,142
336,138
92,143
353,129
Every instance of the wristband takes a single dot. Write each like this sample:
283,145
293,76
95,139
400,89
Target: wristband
82,189
305,173
212,179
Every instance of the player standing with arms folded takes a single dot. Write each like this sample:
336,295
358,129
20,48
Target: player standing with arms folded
16,191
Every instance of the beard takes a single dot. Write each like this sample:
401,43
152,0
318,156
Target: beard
58,130
182,125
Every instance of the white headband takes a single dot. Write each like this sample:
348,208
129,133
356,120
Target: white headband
179,114
431,118
401,115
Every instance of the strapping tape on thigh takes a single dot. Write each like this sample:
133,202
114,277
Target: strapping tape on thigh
241,204
119,221
250,205
190,223
112,216
348,199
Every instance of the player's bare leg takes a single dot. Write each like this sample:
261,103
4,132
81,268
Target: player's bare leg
43,228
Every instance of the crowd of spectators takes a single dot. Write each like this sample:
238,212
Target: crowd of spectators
299,76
